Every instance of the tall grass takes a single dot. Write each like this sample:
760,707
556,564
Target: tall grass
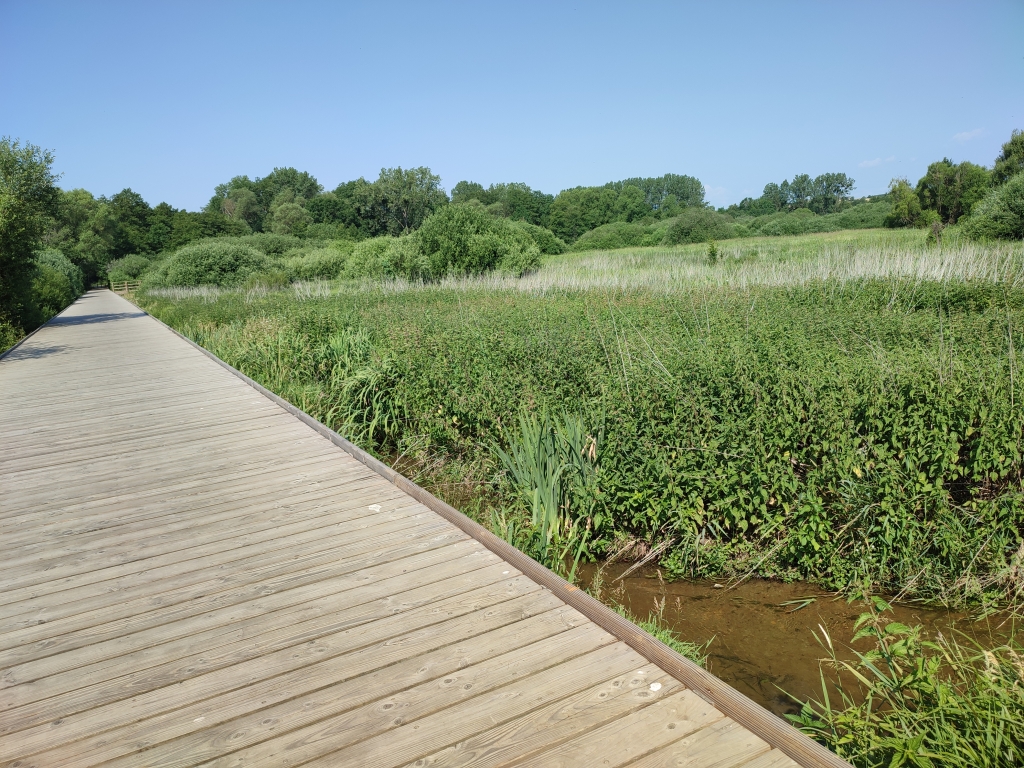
951,702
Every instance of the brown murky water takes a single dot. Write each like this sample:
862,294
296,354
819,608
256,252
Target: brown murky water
758,646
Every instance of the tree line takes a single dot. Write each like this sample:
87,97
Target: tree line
53,241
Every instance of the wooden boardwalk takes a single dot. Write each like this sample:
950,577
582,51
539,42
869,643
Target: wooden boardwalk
193,574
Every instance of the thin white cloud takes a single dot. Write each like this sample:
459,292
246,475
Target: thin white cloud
968,135
877,161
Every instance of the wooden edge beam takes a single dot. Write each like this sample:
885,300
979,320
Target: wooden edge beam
751,715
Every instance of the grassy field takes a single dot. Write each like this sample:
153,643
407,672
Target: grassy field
840,407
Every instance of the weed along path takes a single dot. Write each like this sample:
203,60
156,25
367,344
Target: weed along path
196,572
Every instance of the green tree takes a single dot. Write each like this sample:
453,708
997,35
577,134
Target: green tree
131,216
951,190
1000,215
288,219
1010,161
400,199
29,198
906,205
465,191
687,190
581,209
632,205
829,192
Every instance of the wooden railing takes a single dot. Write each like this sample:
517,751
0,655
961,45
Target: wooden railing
127,286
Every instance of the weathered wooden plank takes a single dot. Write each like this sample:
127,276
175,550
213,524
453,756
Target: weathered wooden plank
93,552
48,605
298,541
773,759
623,740
156,662
200,612
405,725
557,722
198,525
205,501
34,727
184,587
339,686
723,744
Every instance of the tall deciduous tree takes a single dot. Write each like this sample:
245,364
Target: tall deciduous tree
1010,161
401,199
951,189
28,198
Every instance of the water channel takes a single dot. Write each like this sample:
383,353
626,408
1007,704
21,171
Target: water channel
758,645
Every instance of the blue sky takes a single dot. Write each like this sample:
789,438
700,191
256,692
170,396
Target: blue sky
171,99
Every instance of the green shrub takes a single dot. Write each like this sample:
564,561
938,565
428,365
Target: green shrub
319,263
1000,215
697,225
9,335
265,242
386,256
129,268
465,240
215,262
61,263
330,231
52,291
618,234
543,238
864,216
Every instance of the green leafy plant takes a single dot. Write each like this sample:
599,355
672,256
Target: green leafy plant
952,702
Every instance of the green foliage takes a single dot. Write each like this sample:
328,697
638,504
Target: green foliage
581,209
953,702
465,240
698,225
514,201
953,190
28,196
51,291
129,268
824,194
288,218
9,335
865,431
402,199
656,626
318,263
214,262
270,244
684,191
1000,215
58,261
543,238
618,234
906,205
1010,161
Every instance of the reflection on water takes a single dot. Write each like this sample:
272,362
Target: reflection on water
758,646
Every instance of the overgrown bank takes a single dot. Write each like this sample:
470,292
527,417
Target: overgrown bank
863,433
